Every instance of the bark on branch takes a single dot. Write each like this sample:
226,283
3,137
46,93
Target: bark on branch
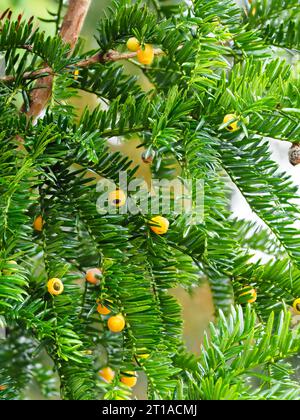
70,31
97,58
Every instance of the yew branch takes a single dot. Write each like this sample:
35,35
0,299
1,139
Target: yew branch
70,31
97,58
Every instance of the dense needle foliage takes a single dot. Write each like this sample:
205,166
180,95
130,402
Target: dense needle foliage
213,58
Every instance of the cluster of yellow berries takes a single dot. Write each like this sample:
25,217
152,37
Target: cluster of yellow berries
115,323
108,375
144,53
246,291
158,225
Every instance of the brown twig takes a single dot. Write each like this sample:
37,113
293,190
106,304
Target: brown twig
70,31
97,58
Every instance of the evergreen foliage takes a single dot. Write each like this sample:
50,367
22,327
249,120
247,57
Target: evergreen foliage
215,58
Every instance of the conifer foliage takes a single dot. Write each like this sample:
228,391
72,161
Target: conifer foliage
89,292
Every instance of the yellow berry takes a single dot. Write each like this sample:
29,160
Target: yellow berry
103,310
116,323
117,198
107,374
249,292
76,74
38,223
233,126
129,380
146,55
144,356
253,11
133,44
55,286
93,275
296,305
8,272
159,225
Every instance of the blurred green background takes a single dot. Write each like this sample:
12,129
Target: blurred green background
197,307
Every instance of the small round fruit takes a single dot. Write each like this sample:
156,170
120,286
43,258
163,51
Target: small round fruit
103,310
9,271
38,223
93,276
148,157
249,292
144,356
117,198
107,374
116,323
233,126
129,380
294,154
159,225
146,55
3,387
133,44
55,286
296,305
76,74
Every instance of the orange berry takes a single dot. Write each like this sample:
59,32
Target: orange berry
38,223
93,275
296,305
103,310
116,323
232,126
159,225
129,380
146,55
107,374
133,44
117,198
55,286
250,292
3,387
